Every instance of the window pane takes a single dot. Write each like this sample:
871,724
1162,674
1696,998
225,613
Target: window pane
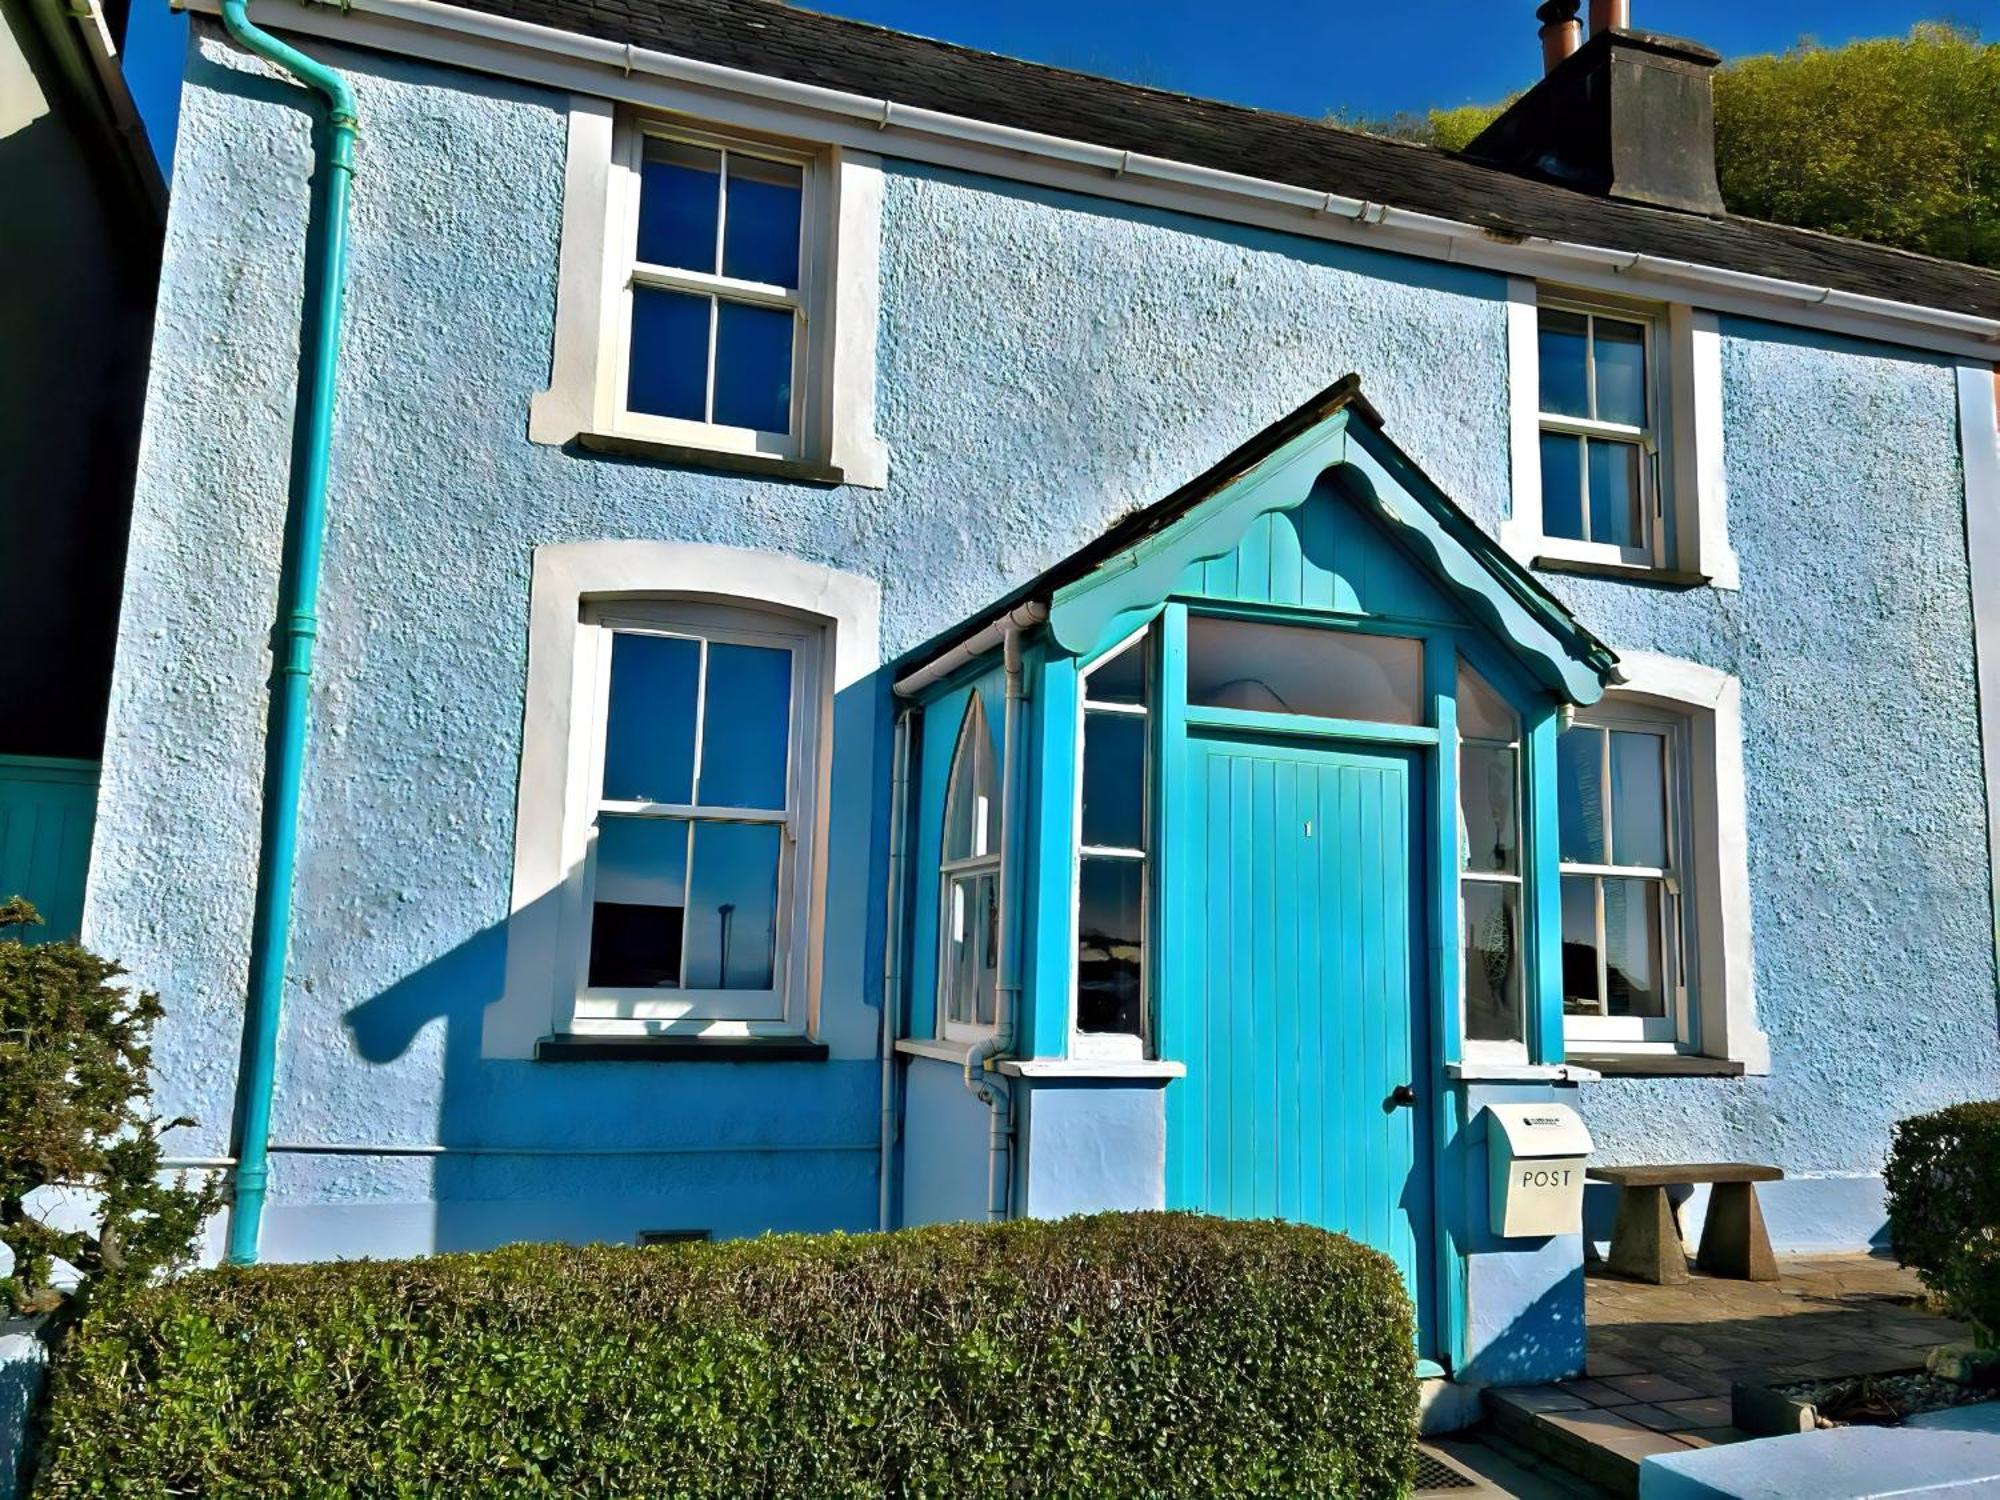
1579,933
1638,799
753,367
1120,678
649,726
760,241
678,194
1580,794
1621,372
1562,485
1632,948
1492,962
1297,669
972,810
1487,803
1114,781
668,375
746,726
972,948
1615,509
1565,380
637,900
1109,945
733,906
1482,713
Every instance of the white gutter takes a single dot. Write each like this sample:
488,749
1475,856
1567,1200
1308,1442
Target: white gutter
618,69
981,642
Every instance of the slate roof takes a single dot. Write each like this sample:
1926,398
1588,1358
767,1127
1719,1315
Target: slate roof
1135,526
763,36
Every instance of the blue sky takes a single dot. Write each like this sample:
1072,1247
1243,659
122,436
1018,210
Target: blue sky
1304,56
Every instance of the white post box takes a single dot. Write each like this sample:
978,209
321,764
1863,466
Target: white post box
1535,1155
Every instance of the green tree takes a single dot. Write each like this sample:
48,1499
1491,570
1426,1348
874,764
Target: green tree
1894,140
73,1116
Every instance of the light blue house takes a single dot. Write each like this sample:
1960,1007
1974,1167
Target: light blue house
854,681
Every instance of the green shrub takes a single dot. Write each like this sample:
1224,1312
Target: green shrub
1147,1354
1943,1181
73,1096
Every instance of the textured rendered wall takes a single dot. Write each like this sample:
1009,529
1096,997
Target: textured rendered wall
1046,364
1868,866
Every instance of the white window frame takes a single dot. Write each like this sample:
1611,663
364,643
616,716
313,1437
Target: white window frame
1687,512
1715,897
1674,937
708,624
1113,1046
1487,1050
561,745
1652,546
972,729
832,437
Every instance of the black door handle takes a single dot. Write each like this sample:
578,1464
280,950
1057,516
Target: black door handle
1403,1097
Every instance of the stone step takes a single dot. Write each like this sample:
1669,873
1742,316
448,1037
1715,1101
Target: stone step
1596,1445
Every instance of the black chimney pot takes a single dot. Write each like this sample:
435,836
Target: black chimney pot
1629,115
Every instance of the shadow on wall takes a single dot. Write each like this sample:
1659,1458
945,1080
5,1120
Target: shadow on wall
579,1151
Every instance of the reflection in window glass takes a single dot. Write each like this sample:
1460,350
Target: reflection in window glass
1615,515
1114,781
1482,713
1618,352
650,721
1490,809
1493,1010
716,287
972,947
680,203
1120,678
1110,943
972,801
1620,908
746,729
1112,888
753,367
1565,370
638,900
1596,423
702,725
668,376
732,936
1300,669
762,240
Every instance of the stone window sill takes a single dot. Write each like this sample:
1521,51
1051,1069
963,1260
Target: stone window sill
1506,1072
1085,1069
1666,578
1656,1065
658,1049
683,455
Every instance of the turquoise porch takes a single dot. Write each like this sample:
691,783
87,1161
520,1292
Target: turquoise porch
1226,879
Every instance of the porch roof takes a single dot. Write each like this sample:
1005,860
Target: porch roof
1144,550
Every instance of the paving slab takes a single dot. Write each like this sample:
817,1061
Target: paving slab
1841,1463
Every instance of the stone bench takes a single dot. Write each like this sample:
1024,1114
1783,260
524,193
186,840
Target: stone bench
1646,1241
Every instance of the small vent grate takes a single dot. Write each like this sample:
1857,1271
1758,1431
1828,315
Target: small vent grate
1435,1476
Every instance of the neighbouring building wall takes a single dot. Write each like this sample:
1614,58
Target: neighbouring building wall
1046,363
78,261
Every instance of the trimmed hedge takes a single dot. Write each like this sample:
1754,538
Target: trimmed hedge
1943,1182
1142,1354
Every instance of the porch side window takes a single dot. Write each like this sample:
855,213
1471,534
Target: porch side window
699,826
1598,439
969,920
1621,881
1490,891
1111,863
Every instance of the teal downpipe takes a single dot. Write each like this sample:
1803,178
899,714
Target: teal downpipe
297,624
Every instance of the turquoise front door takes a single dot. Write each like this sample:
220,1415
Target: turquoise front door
1299,999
